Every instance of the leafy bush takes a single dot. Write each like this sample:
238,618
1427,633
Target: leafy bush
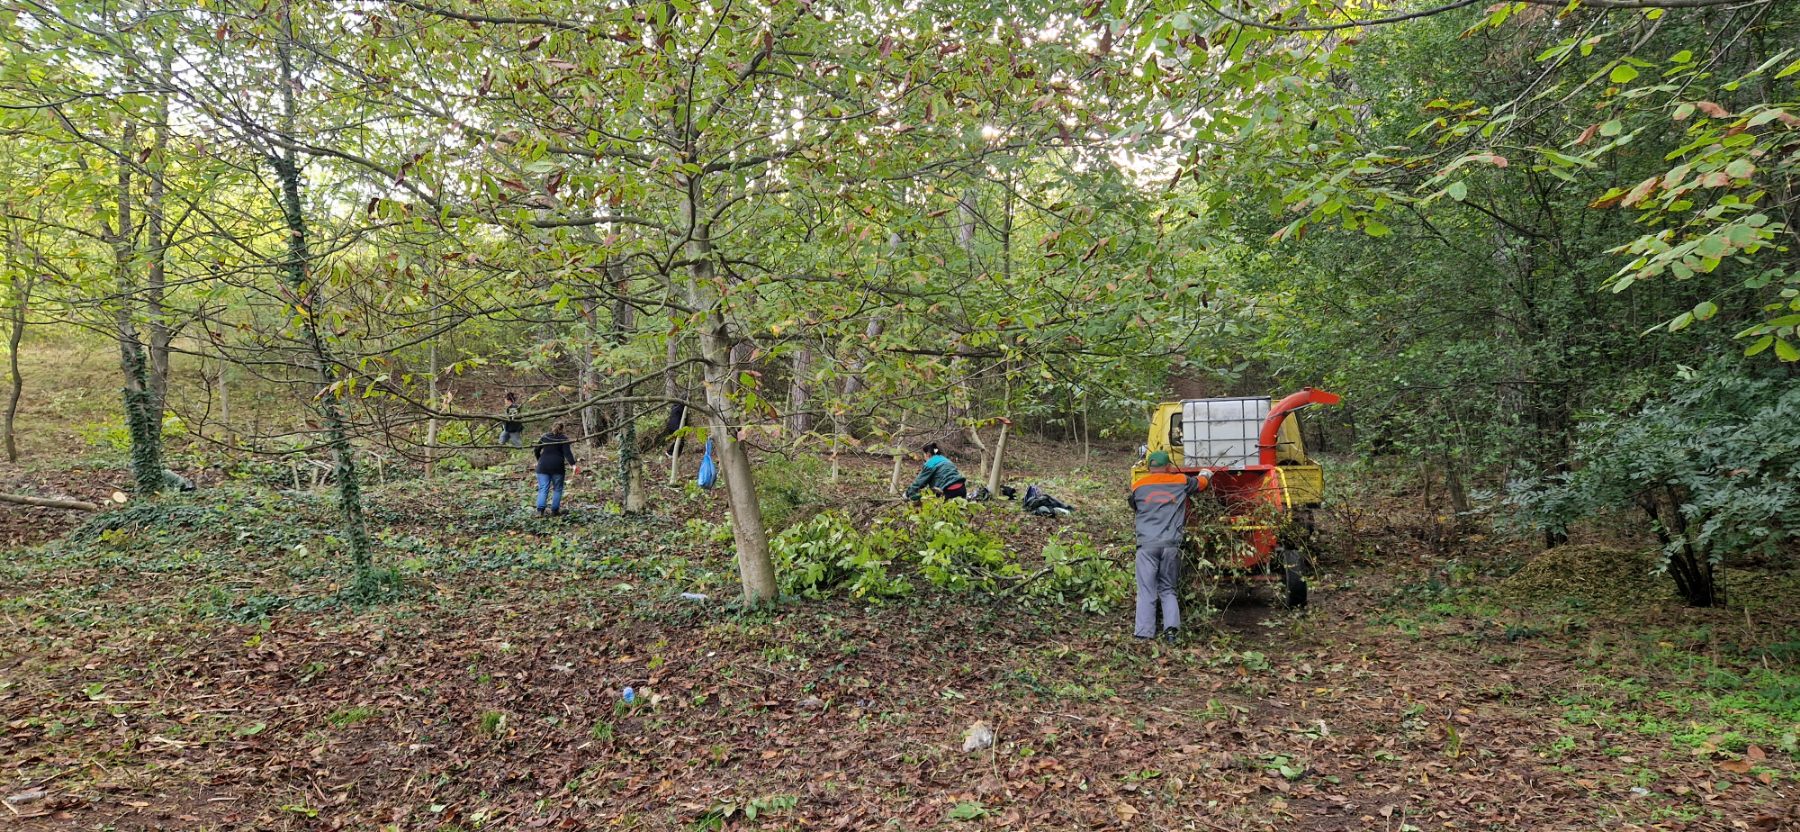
1715,468
705,532
1075,571
820,555
953,551
945,544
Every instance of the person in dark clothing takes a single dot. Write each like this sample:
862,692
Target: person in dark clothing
940,475
555,461
512,431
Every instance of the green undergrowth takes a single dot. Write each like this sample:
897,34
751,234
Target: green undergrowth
1705,695
241,554
950,545
1726,688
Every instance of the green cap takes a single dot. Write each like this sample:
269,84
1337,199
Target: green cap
1159,458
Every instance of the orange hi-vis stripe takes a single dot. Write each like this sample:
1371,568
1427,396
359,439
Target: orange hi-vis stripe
1167,479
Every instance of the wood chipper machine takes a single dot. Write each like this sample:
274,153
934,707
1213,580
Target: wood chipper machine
1252,520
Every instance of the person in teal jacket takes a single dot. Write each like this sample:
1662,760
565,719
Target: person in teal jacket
939,475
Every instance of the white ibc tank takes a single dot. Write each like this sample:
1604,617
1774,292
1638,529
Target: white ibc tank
1222,433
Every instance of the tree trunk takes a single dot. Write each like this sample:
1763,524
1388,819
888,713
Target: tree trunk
431,425
23,282
225,399
624,320
1691,571
309,309
672,357
755,569
966,207
800,393
1453,484
142,419
154,235
587,384
981,464
675,452
993,478
1087,434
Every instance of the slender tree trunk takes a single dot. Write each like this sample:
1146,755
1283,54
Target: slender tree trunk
309,308
23,282
675,452
624,320
800,393
16,388
587,384
981,464
225,399
154,236
755,569
142,419
994,473
899,454
1453,485
431,425
966,208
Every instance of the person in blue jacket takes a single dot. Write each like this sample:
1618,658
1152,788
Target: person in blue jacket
940,475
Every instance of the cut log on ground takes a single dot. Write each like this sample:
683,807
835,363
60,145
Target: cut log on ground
47,502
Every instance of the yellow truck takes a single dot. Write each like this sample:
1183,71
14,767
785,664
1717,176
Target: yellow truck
1260,478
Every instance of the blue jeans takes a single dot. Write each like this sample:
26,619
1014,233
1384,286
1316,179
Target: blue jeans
550,485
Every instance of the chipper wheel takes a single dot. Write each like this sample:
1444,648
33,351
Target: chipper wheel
1293,576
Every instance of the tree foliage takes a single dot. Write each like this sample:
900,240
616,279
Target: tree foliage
1714,469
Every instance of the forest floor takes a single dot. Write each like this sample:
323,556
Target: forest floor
194,665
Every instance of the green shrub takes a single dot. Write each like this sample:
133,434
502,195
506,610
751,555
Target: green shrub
706,532
1711,466
820,555
954,552
1074,571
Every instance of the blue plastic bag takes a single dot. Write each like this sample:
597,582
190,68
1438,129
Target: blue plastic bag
709,473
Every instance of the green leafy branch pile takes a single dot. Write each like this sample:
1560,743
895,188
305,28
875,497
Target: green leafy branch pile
944,545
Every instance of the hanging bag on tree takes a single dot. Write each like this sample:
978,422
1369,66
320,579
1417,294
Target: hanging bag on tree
709,473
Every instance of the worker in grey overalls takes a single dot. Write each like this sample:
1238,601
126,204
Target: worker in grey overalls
1160,499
